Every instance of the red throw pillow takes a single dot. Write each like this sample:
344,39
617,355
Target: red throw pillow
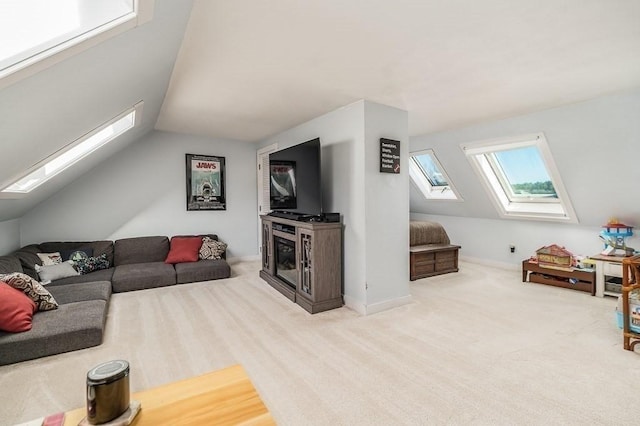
16,309
184,249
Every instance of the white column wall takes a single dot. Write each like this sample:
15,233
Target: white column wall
387,210
375,251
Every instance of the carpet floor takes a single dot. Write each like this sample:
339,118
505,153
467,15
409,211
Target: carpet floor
477,347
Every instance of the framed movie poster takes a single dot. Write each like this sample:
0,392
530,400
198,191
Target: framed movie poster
205,182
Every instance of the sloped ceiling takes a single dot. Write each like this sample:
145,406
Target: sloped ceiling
44,112
248,69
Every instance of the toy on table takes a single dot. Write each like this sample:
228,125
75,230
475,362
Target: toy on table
614,235
555,257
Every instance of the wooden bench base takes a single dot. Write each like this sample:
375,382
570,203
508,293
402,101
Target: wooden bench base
575,279
432,259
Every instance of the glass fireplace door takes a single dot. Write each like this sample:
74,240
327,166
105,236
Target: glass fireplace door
285,261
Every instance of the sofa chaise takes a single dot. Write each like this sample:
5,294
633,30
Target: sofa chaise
79,321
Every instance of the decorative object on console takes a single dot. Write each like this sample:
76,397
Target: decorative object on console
184,249
32,288
205,182
50,258
48,273
16,309
211,249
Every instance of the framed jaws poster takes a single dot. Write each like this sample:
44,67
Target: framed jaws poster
205,182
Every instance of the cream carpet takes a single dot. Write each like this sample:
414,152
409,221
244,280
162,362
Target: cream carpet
476,347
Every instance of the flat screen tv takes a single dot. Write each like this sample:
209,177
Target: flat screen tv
295,181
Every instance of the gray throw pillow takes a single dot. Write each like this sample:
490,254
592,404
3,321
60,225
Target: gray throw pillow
48,273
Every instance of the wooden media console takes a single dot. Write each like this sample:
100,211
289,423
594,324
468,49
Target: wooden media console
303,261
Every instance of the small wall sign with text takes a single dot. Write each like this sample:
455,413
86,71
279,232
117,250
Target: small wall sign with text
389,156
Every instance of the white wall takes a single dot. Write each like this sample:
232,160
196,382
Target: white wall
387,210
488,240
9,236
595,145
142,191
374,207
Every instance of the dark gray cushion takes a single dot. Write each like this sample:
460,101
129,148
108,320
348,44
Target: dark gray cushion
202,270
101,275
98,247
28,256
69,293
128,251
142,275
9,264
71,327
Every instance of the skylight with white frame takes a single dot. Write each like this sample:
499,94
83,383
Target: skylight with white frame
521,178
33,31
428,175
74,152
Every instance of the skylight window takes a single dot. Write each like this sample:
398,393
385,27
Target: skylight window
521,177
74,152
36,30
428,175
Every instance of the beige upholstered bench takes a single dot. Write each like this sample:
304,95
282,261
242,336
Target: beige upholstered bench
430,251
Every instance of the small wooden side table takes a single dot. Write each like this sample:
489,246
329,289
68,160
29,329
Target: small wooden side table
222,397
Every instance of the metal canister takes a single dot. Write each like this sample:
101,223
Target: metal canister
107,391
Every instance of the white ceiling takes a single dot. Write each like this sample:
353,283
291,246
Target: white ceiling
250,69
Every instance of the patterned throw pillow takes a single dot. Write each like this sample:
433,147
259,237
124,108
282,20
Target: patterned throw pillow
91,264
50,258
32,288
75,255
212,249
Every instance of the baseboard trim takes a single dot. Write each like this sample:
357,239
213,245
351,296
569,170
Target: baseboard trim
354,305
493,263
374,308
233,260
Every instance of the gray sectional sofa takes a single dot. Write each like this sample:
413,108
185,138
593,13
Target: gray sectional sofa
79,321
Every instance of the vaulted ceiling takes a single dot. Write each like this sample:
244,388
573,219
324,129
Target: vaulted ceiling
248,69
